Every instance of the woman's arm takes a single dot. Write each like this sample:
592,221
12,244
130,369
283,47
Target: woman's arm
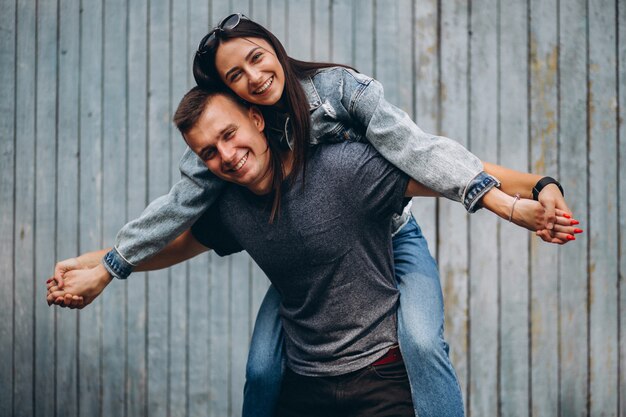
162,221
515,182
437,162
523,212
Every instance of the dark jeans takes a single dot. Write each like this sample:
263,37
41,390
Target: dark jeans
374,391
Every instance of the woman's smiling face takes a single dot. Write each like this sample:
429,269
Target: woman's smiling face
250,68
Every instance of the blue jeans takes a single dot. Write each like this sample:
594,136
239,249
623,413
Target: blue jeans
434,385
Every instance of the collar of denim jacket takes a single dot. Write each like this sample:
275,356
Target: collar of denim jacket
311,93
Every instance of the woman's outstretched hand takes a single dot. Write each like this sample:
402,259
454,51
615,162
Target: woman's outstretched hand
533,216
564,230
81,287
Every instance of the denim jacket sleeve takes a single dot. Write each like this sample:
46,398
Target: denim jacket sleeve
165,218
439,163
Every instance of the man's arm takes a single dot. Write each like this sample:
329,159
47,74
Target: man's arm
82,286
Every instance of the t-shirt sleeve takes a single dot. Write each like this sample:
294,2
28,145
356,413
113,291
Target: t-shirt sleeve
377,185
210,231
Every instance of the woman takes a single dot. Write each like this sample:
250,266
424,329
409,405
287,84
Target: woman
309,103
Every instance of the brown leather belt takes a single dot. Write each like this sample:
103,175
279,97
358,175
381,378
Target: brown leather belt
392,355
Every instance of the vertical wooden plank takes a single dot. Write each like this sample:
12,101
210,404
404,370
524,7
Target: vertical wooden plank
621,87
114,200
320,29
159,169
241,6
453,232
364,19
483,290
240,326
426,105
299,27
198,286
7,197
543,153
67,189
342,32
199,336
277,14
573,263
393,59
45,203
178,281
220,359
137,113
514,242
23,325
259,11
90,200
603,250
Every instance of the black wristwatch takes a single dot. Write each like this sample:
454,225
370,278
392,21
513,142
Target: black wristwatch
542,183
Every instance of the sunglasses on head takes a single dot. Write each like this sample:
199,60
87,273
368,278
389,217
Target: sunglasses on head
228,23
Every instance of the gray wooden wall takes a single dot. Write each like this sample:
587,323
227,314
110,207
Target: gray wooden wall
87,89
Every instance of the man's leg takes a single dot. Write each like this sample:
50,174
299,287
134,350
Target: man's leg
434,384
264,370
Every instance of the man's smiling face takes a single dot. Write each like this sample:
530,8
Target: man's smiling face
230,141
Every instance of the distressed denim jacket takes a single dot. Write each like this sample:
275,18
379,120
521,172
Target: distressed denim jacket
344,105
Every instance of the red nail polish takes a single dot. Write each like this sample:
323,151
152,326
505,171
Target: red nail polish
574,222
578,230
570,237
567,216
49,281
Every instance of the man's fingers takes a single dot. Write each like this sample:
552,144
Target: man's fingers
58,276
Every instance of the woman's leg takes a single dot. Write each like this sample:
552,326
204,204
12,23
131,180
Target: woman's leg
434,384
264,370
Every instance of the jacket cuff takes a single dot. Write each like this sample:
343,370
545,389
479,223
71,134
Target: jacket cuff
476,189
117,266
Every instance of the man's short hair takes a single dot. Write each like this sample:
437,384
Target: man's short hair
195,101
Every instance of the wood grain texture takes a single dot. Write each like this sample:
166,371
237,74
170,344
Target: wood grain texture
7,197
89,335
484,273
114,165
603,249
68,200
621,134
513,362
543,160
573,262
159,176
45,203
24,255
137,193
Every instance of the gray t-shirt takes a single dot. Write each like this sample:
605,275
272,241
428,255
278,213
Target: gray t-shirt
328,253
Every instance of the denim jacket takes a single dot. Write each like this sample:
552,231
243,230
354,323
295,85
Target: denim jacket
344,105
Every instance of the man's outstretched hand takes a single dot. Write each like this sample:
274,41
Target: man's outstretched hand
80,286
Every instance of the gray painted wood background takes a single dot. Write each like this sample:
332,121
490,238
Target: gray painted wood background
87,89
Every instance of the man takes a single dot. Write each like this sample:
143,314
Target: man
325,244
